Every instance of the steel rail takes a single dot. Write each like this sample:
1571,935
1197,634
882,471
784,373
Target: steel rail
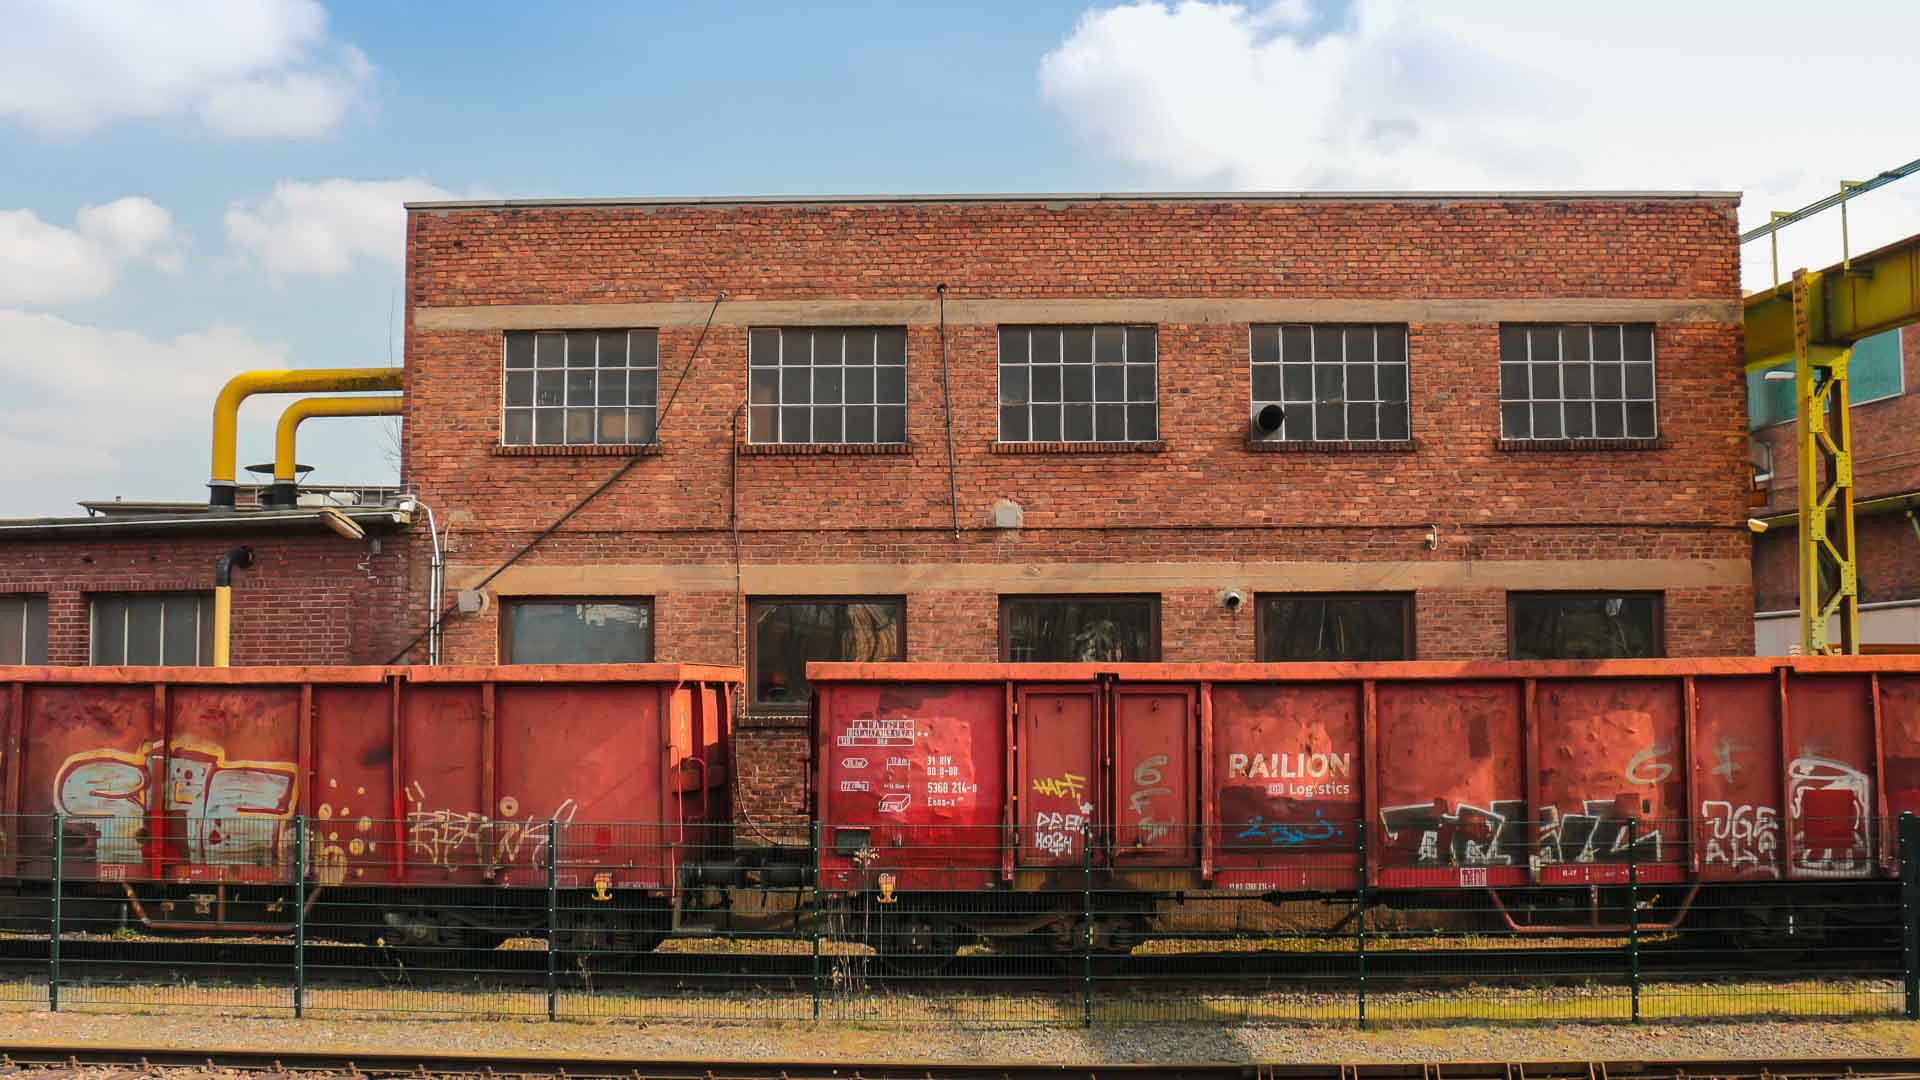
393,1063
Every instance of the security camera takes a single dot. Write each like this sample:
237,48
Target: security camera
1231,600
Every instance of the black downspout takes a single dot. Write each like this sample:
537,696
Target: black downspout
946,396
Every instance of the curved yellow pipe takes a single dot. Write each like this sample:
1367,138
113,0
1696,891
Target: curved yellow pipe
307,408
226,408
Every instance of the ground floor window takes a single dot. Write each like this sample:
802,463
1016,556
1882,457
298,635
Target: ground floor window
570,630
1069,629
1334,626
174,629
23,629
1584,625
788,633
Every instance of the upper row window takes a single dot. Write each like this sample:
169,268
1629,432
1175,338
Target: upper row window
1577,382
1342,383
827,386
1079,384
581,387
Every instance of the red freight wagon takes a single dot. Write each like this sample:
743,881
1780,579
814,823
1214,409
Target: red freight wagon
180,784
1316,779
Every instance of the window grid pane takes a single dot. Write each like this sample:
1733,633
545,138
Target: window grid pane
1577,381
827,385
1333,383
1079,384
587,387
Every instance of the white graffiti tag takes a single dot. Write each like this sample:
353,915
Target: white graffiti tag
1745,838
1828,801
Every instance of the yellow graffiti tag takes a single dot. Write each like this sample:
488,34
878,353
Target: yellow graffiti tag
1064,786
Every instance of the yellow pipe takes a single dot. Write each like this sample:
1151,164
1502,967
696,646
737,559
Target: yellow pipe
304,409
226,408
222,624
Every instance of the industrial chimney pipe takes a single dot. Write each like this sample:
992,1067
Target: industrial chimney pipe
240,558
226,410
285,490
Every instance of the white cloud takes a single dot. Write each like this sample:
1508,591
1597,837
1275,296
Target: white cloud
242,68
115,410
1506,96
43,264
321,228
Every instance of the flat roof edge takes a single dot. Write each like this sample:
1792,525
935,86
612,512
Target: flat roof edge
1080,197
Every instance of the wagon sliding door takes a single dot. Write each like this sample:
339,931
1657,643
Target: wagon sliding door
1059,729
1153,763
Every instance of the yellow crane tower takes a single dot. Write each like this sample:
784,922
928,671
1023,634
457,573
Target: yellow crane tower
1814,320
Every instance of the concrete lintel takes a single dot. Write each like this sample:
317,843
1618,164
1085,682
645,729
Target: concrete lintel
1176,311
895,579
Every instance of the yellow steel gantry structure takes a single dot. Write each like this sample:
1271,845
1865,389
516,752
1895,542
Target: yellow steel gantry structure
1814,321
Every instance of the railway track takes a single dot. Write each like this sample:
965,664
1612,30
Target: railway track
360,1063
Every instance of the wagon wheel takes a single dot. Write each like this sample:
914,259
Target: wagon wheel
1775,932
915,945
599,940
425,943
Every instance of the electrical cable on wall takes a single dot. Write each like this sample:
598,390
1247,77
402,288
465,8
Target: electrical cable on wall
631,461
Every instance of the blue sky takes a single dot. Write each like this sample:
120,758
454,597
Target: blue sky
202,185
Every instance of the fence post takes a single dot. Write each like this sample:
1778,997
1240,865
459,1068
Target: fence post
814,908
1633,912
59,883
299,915
1910,910
553,918
1086,926
1360,923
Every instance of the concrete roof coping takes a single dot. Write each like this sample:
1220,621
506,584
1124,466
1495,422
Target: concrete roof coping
1082,197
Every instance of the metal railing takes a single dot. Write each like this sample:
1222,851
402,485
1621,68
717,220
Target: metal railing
1419,917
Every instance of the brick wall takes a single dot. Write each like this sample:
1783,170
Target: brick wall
307,600
1199,514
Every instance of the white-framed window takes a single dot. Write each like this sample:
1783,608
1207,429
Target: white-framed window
1577,381
1079,384
1332,382
827,385
23,629
173,629
580,387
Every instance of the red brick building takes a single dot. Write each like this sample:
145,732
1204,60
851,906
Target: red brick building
1886,448
1168,427
133,584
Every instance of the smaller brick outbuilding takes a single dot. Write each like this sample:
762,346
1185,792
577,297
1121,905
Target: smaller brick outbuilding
136,588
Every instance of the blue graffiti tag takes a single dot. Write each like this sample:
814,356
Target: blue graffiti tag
1283,834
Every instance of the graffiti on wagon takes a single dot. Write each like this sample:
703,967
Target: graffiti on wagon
215,811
